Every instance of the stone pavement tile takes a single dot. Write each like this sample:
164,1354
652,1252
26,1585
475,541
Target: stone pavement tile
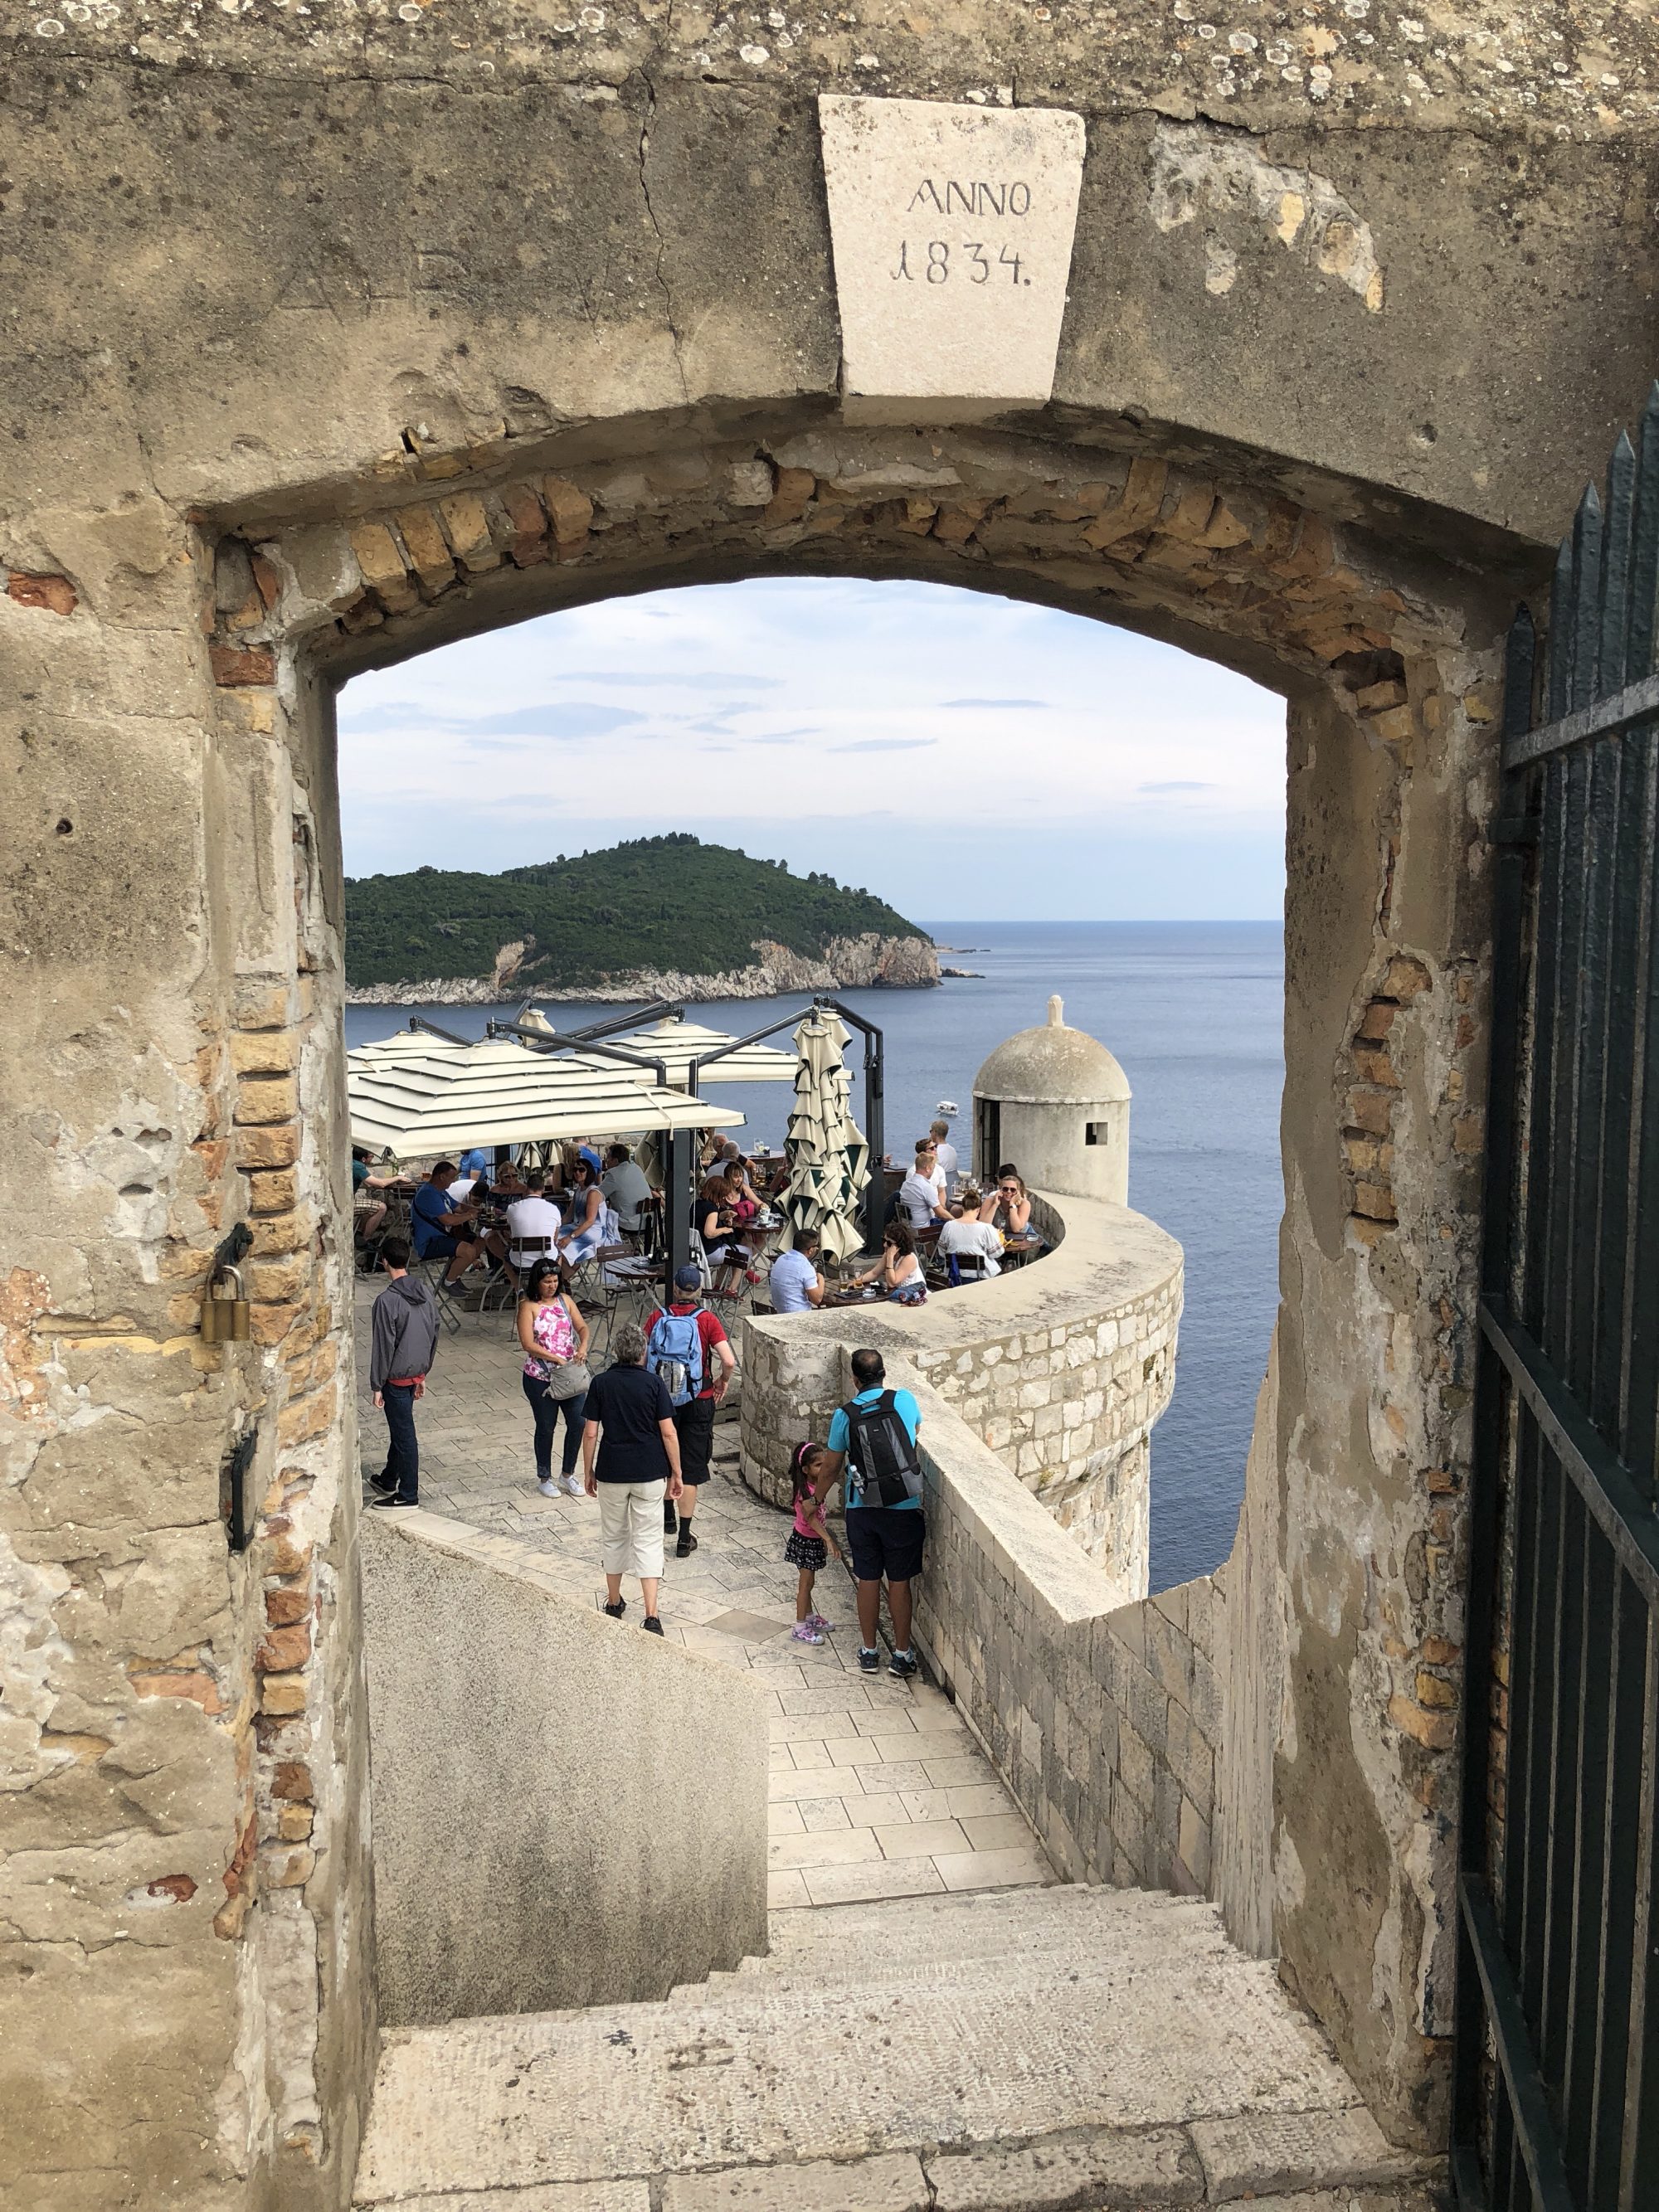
911,1839
840,1847
548,2196
1252,2153
887,1810
976,1800
887,1723
894,2182
778,1757
898,1774
821,1816
793,1787
809,1752
1411,2197
993,1869
786,1888
949,1773
817,1728
997,1832
861,1885
1154,2167
874,1750
784,1818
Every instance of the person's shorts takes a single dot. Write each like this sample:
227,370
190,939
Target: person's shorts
694,1425
886,1540
439,1247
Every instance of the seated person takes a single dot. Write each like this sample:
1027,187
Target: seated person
532,1224
740,1193
1009,1205
444,1228
625,1184
588,1211
795,1283
898,1269
974,1244
922,1194
475,1161
369,1222
711,1217
508,1182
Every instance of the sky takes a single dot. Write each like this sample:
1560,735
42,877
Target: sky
953,751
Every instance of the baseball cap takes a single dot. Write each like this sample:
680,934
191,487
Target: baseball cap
687,1279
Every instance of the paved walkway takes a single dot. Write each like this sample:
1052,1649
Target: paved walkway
878,1789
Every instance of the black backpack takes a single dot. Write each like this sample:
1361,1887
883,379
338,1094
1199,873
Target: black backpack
884,1451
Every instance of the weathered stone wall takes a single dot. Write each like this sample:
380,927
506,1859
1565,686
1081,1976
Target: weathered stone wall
1062,1367
565,1812
335,335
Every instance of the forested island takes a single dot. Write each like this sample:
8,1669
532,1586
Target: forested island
667,916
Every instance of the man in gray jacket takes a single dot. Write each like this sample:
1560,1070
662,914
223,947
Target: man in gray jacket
404,1339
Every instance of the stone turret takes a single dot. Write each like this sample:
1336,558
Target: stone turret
1054,1101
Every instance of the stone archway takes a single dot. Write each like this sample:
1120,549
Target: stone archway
353,333
1386,658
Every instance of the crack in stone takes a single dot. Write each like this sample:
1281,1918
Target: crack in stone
662,242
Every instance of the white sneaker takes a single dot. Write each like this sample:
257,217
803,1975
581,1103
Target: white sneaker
548,1487
572,1485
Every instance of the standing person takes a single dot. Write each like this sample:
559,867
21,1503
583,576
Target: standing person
686,1346
809,1543
631,1464
922,1194
795,1283
554,1336
873,1445
403,1337
945,1155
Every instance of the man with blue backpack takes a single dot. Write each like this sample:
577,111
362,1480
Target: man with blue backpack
686,1346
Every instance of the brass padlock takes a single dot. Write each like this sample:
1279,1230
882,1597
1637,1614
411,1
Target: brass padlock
225,1318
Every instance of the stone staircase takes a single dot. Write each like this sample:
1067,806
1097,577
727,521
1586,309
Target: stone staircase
1020,2051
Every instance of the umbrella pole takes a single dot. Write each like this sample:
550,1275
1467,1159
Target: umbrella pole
677,1205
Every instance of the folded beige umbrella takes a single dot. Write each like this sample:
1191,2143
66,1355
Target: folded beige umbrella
829,1158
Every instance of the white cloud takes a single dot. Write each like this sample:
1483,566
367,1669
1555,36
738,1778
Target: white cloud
1053,765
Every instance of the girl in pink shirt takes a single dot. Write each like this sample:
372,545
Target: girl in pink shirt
809,1543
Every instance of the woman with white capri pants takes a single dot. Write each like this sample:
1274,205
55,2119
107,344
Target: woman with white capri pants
630,1463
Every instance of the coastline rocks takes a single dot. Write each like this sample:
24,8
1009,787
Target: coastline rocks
866,963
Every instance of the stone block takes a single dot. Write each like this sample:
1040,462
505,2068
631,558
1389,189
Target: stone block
1107,2168
570,509
428,547
892,2183
949,328
1252,2153
381,559
467,526
264,1052
277,1148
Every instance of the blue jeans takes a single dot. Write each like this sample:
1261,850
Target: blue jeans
546,1412
403,1456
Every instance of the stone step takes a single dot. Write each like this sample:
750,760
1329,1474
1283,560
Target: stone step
991,2050
850,1945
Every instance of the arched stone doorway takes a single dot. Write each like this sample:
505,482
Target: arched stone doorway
362,409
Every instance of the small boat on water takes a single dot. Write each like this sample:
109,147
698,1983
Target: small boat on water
947,1106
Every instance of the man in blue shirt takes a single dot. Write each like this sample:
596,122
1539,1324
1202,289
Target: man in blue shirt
795,1283
443,1230
885,1540
476,1163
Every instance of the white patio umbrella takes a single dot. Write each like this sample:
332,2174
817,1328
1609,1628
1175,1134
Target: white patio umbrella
677,1043
420,1104
829,1158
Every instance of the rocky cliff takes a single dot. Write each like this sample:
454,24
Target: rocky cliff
864,963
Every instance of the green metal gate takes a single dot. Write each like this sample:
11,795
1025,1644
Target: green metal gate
1557,2106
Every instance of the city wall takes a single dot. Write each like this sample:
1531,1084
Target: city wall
1061,1367
526,1761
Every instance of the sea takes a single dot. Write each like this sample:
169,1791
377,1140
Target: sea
1195,1012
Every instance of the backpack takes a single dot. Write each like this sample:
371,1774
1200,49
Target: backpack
675,1353
884,1451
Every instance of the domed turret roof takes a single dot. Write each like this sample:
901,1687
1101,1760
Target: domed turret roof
1052,1065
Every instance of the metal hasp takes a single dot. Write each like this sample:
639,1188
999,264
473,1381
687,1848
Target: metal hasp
237,1505
1557,2081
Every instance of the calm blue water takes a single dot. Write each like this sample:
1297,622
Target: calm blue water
1195,1012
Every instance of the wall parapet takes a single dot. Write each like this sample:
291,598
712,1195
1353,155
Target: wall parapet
1114,1726
518,1827
1060,1368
